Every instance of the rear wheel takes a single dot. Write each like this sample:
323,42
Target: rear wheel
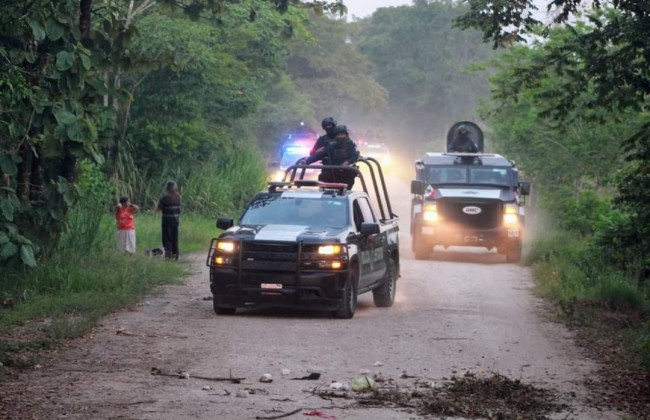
221,310
384,295
513,252
349,304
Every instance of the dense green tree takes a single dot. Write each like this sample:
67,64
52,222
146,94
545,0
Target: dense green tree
424,64
333,75
67,78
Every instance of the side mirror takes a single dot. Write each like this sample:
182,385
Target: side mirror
369,228
417,187
524,187
224,223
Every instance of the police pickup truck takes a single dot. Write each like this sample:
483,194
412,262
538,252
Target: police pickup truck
467,199
307,244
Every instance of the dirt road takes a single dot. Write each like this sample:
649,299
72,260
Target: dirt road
462,310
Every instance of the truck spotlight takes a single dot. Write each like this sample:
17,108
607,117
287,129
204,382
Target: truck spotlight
431,213
510,216
227,247
329,249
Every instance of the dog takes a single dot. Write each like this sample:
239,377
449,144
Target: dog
155,252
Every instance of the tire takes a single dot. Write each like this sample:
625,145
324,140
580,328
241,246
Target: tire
513,252
349,304
222,310
420,248
384,295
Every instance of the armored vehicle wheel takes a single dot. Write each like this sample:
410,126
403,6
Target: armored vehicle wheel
349,304
420,247
220,310
513,252
384,295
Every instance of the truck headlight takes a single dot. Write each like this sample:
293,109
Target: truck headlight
511,214
431,213
330,249
227,247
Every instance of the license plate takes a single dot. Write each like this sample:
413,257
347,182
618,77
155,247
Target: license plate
513,233
271,286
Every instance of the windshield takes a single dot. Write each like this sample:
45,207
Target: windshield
313,212
469,175
292,154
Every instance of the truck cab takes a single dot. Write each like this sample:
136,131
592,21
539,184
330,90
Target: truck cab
467,199
307,244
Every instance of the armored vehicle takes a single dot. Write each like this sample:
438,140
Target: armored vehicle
467,199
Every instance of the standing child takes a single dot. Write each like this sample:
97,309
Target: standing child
126,225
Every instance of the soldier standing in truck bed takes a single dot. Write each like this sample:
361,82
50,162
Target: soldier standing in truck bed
343,152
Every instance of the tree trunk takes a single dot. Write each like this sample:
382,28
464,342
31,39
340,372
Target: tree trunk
36,177
23,176
85,9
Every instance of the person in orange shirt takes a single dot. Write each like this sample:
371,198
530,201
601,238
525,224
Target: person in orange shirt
124,218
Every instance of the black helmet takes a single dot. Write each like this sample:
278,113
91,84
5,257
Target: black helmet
463,130
328,122
341,129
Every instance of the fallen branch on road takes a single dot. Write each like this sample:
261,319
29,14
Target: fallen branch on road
279,416
184,375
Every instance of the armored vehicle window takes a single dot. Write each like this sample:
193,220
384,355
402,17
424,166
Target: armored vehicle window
474,175
446,175
489,176
308,211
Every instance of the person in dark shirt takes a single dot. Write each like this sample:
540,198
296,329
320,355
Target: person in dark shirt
343,152
462,143
328,124
170,206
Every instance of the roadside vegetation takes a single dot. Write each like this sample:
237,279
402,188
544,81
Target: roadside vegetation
582,139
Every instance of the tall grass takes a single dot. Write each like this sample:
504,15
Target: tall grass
578,277
217,185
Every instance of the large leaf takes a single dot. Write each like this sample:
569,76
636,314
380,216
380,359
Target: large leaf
6,209
65,60
8,250
37,30
54,29
27,256
3,238
75,132
64,117
7,165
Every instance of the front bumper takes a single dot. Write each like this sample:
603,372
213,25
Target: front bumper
317,290
440,234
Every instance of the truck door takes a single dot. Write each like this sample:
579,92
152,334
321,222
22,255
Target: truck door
371,247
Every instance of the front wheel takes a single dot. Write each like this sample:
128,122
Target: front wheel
349,304
221,310
420,247
513,252
384,295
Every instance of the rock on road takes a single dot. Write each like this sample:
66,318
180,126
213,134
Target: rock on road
465,309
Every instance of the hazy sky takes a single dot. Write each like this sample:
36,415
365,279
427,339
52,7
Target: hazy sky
363,8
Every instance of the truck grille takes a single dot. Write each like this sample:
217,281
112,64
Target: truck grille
489,217
269,256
